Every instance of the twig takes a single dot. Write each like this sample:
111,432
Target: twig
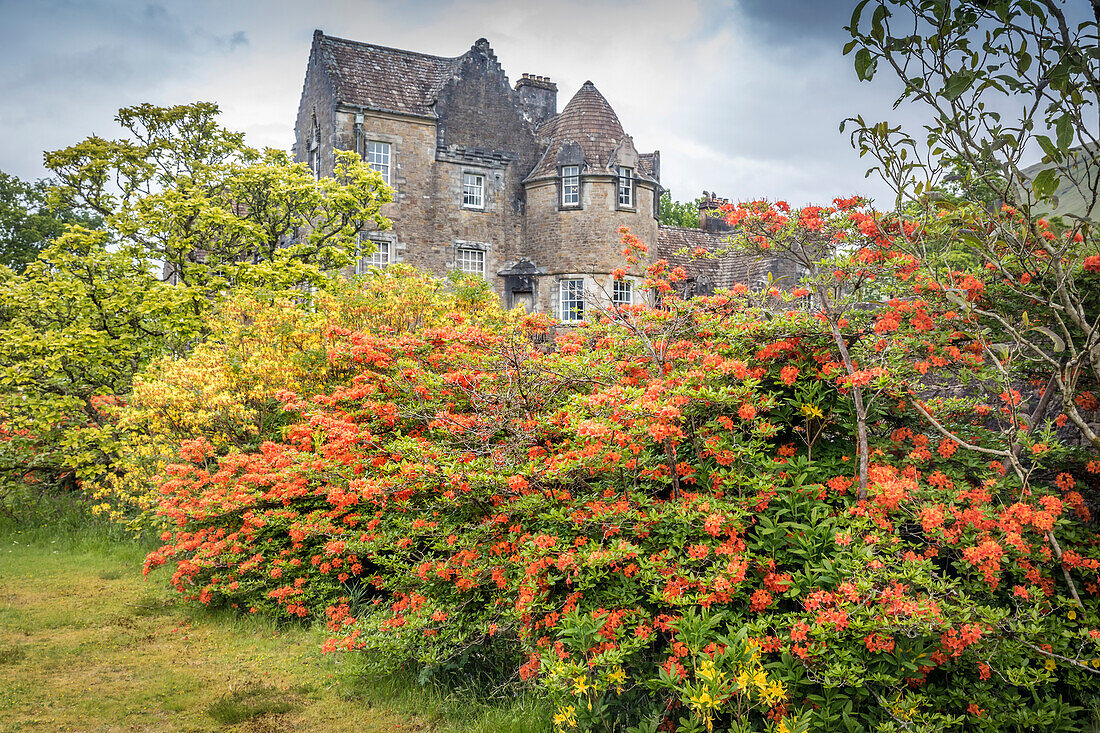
1074,662
946,433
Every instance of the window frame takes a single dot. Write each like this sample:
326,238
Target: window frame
387,174
565,188
625,175
569,286
479,255
480,177
616,288
361,266
314,151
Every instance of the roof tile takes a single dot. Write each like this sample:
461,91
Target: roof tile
388,79
678,245
588,121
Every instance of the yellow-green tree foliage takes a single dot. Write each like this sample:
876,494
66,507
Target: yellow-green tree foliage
223,395
177,190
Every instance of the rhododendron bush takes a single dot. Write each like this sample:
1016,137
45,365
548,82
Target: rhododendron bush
225,391
656,517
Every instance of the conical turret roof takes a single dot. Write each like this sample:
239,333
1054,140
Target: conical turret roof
589,123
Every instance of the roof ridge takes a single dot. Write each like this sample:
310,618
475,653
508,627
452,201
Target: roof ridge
690,229
393,48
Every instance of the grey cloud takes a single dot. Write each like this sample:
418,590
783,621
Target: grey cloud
741,96
795,22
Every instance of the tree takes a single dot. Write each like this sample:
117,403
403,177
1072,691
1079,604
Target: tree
89,313
217,213
1000,79
28,222
678,213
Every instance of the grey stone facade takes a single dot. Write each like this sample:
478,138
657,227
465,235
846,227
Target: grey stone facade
478,167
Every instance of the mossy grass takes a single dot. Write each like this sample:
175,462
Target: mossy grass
87,643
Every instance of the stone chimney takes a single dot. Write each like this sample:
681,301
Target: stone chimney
538,97
710,218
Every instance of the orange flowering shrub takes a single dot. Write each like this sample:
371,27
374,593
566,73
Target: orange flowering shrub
223,395
657,521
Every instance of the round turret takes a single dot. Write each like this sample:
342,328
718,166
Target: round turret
590,182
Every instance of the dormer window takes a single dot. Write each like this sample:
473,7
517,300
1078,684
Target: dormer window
570,185
626,188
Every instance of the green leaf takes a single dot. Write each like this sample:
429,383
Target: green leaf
854,25
956,85
865,65
1049,147
1064,128
1059,344
1045,183
878,28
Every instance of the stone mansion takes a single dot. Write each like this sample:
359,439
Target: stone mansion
491,179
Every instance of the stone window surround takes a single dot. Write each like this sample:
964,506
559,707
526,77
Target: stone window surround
633,205
560,179
388,238
559,300
313,151
484,190
485,247
394,141
617,285
387,152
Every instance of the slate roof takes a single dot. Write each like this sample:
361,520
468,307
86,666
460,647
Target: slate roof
677,245
590,122
383,78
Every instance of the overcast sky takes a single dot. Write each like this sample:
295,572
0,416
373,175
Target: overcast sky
742,97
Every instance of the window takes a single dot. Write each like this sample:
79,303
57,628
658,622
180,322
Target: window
471,261
473,191
622,292
379,258
315,149
626,187
572,301
378,158
570,185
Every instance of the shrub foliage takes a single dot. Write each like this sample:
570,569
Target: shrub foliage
657,517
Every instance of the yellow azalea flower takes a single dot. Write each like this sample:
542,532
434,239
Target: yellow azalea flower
812,411
580,685
566,715
774,693
1071,615
616,676
703,700
759,680
1050,664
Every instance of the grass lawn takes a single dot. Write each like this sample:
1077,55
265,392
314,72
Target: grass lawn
87,644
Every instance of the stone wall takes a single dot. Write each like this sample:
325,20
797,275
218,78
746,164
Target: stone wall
568,242
318,100
412,164
480,130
